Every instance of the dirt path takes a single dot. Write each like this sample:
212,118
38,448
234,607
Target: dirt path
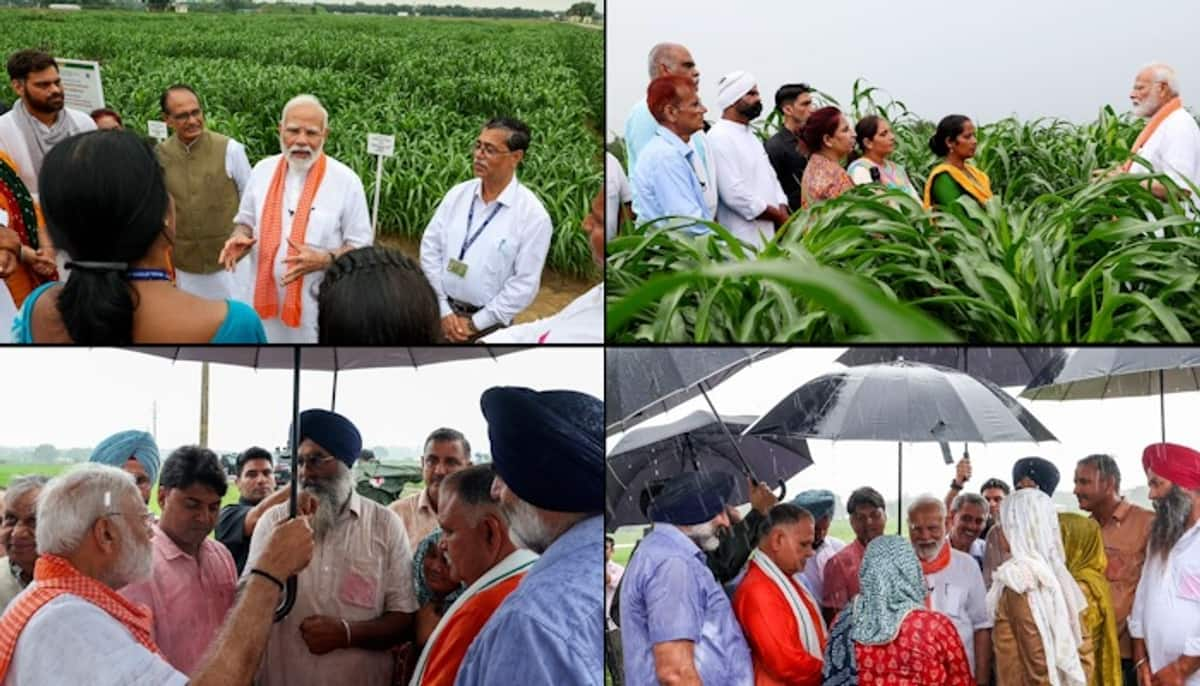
557,290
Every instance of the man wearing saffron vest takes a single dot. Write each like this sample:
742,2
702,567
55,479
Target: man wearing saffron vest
476,543
780,618
71,627
301,210
955,581
206,174
1171,140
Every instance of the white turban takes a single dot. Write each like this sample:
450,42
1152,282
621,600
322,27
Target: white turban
732,87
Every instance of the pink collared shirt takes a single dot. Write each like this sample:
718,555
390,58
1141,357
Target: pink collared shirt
189,597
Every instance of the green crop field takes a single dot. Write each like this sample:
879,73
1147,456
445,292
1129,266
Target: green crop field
1054,257
431,82
9,471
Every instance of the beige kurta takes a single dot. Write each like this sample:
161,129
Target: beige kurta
418,515
359,570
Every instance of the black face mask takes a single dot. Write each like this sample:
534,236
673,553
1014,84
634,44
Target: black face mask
750,111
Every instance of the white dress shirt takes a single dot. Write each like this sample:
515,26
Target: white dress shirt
71,641
1174,149
1166,608
338,218
746,182
813,574
958,592
581,321
616,193
504,264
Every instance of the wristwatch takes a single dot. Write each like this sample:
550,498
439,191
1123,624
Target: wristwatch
955,486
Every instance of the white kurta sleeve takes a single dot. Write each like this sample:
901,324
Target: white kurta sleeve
246,214
237,165
732,189
355,219
433,253
1136,627
519,291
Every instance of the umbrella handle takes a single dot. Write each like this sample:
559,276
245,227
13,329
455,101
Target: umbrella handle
782,490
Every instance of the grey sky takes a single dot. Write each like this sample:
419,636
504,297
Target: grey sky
76,397
1120,427
1065,58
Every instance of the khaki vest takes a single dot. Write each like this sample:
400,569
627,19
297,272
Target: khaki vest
206,200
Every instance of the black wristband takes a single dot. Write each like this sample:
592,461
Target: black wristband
267,576
955,486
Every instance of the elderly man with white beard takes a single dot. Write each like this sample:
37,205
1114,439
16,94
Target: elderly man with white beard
357,598
677,624
1170,142
300,211
70,626
548,453
1165,621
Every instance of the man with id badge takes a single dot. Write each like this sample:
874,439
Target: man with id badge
1165,621
356,598
485,247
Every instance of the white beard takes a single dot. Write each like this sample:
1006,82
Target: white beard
332,496
1146,108
704,535
136,562
525,528
299,165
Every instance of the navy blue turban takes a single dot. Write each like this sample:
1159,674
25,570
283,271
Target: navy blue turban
819,502
548,446
1042,471
692,498
333,432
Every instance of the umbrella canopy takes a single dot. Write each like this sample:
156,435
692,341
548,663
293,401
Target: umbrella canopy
696,442
1094,373
640,383
1007,366
902,401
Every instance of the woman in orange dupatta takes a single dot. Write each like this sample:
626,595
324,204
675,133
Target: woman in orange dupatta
24,219
955,142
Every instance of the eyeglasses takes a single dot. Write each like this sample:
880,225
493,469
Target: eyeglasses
313,462
489,150
147,516
181,117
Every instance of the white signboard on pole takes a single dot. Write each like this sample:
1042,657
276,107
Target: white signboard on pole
82,89
158,129
380,145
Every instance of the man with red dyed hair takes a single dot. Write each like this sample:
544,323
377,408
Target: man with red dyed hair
666,181
1165,622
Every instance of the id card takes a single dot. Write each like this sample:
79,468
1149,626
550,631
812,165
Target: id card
457,268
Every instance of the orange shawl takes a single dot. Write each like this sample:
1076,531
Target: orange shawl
266,302
55,576
1151,126
938,563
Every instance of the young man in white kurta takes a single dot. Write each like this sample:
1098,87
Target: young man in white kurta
746,183
511,236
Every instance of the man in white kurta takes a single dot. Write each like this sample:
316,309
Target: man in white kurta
751,203
1171,139
484,250
1165,621
641,126
338,220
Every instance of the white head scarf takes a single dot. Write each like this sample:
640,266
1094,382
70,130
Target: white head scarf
732,87
1038,571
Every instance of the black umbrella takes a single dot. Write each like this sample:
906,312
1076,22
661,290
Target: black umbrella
902,402
1095,373
1003,366
328,359
648,455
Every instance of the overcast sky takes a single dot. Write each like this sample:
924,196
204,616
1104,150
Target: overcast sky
76,397
1120,427
1065,58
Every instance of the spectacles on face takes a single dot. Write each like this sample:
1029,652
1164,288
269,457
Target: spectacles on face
313,462
181,117
146,516
489,150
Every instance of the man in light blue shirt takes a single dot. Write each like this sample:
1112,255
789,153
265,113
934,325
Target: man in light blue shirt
676,621
666,182
668,59
548,453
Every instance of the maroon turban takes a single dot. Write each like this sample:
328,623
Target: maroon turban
1176,463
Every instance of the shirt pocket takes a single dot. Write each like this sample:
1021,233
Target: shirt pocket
498,266
1187,586
360,590
322,232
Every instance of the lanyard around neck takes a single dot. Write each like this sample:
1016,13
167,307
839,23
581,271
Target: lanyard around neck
469,238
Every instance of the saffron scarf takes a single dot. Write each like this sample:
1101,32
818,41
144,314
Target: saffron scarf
973,181
54,576
266,301
938,563
1151,126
